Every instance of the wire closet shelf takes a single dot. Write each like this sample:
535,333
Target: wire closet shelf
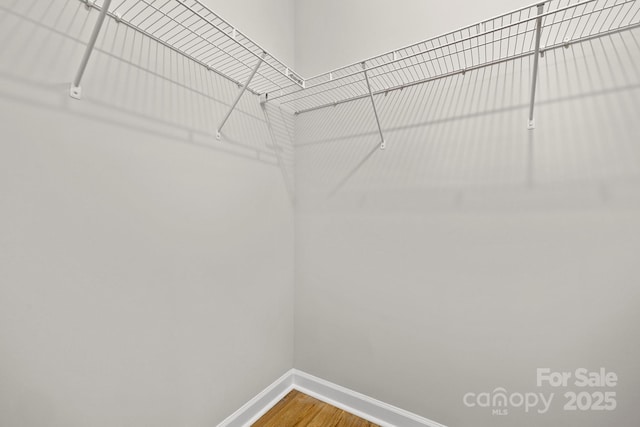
192,29
195,31
502,38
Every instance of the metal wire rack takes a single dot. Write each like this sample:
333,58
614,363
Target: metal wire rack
506,37
192,29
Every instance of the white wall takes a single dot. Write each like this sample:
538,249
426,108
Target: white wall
270,23
146,270
471,251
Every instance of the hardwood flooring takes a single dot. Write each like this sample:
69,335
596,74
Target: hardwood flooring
297,409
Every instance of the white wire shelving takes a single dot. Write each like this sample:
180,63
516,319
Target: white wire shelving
502,38
195,31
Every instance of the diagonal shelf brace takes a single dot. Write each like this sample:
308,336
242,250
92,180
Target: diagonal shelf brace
531,124
375,110
76,91
246,85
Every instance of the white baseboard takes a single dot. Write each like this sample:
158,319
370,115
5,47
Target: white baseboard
351,401
261,403
358,404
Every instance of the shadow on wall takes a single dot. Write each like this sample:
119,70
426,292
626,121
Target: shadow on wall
134,82
461,142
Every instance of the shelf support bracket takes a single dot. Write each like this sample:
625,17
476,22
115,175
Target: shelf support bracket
244,87
531,123
373,104
76,91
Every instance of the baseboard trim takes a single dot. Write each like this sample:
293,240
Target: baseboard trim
351,401
358,404
251,411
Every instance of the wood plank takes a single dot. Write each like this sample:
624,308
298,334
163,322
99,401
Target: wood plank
297,409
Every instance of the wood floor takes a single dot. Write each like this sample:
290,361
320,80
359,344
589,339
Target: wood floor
299,410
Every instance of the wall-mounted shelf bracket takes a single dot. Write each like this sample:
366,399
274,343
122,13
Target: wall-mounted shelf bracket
531,124
76,91
383,144
243,88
